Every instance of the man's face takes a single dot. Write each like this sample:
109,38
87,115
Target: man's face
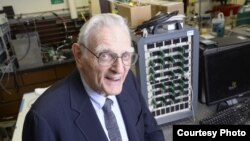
109,79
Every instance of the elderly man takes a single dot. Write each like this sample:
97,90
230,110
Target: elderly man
101,100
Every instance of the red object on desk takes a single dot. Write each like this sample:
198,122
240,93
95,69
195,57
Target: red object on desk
226,9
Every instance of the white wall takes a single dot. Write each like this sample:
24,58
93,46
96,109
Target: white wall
34,6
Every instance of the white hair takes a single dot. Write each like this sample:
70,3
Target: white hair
97,22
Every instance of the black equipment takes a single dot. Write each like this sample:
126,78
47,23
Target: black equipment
225,69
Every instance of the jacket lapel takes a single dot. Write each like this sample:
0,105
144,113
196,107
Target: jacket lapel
87,121
129,114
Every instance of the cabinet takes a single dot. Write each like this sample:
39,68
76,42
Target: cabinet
14,85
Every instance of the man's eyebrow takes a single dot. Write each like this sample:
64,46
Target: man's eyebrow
101,48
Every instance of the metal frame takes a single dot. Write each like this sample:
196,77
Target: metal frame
170,96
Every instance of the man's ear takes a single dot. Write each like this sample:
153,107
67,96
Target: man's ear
77,52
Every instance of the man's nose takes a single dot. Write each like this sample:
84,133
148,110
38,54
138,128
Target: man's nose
118,65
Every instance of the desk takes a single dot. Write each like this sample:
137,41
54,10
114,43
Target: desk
14,85
27,101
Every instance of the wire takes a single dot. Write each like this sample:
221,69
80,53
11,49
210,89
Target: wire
5,69
192,103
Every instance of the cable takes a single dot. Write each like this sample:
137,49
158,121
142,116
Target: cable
3,71
192,105
154,21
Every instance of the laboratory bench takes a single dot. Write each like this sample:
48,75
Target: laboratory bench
20,81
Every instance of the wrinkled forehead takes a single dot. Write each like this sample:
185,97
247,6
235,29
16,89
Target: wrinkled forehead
114,39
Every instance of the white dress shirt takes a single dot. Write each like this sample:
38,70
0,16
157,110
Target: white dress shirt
98,101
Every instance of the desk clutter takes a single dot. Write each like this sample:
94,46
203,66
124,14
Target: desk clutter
27,43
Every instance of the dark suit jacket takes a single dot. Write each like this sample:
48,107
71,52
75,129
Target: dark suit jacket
65,113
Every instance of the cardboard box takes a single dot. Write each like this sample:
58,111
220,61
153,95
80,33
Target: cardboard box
94,7
135,15
166,6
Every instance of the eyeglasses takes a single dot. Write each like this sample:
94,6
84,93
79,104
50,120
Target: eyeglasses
109,58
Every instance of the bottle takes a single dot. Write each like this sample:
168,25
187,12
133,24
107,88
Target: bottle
218,26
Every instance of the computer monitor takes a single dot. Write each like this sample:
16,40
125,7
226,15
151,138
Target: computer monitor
227,70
